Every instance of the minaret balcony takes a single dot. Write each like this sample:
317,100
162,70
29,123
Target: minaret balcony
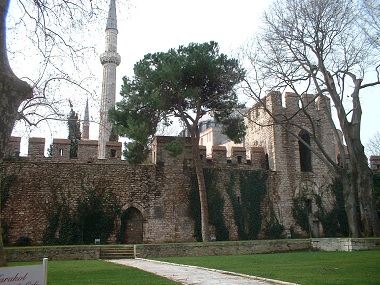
110,57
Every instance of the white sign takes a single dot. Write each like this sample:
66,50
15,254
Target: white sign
24,275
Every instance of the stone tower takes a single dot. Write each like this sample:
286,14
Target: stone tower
110,59
86,124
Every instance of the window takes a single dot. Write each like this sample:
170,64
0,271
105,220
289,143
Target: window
266,161
239,159
113,152
61,151
305,153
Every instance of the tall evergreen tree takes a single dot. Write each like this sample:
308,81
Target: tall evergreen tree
75,134
185,83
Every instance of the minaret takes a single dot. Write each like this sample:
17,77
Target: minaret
110,59
86,124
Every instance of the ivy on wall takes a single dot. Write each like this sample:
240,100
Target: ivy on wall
376,186
334,221
215,204
94,217
252,189
273,228
247,208
6,183
300,212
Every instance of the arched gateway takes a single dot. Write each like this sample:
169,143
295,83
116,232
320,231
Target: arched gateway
131,226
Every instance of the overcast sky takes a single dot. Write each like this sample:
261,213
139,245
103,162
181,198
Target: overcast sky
148,26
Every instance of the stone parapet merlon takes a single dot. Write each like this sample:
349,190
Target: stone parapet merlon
60,149
254,157
273,102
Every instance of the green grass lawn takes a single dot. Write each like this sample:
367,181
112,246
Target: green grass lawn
306,268
97,272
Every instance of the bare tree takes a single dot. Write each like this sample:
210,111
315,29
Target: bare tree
318,47
370,20
373,145
52,33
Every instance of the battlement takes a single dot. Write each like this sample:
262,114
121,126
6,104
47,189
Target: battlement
273,101
87,149
254,157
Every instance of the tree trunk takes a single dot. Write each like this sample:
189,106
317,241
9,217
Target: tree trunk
12,92
362,180
350,204
202,190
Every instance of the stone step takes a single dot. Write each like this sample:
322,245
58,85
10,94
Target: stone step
117,252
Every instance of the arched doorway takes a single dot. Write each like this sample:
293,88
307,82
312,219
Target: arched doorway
131,226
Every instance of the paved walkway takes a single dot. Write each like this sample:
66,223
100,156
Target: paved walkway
191,275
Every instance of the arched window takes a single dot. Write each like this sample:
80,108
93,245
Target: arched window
305,153
267,162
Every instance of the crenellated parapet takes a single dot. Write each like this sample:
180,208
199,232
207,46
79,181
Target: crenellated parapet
60,149
253,158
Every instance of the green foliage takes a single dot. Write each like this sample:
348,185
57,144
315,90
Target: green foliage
6,183
113,135
215,204
274,231
234,128
376,186
53,213
134,152
75,134
50,150
247,209
300,212
186,83
273,228
252,189
194,205
94,217
96,213
335,221
175,147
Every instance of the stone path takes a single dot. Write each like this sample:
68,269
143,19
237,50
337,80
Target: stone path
189,275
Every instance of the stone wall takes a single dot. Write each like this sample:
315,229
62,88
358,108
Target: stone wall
159,191
163,205
26,254
215,248
346,244
22,254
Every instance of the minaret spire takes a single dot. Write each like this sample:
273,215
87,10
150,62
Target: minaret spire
86,124
110,59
